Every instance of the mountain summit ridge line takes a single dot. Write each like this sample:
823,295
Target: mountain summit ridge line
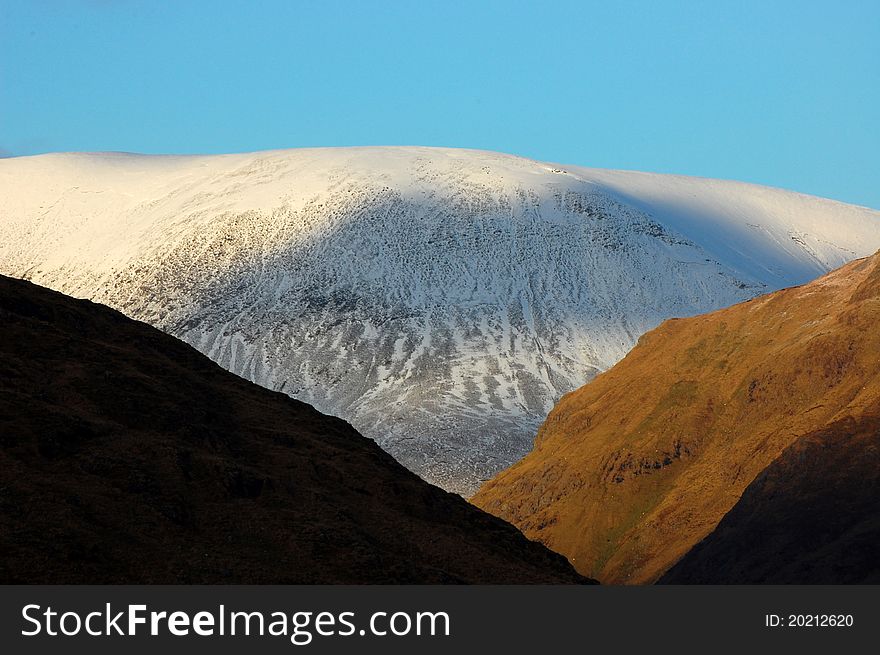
441,300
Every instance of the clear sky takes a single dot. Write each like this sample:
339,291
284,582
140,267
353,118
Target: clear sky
771,91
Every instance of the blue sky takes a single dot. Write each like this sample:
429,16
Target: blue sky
774,92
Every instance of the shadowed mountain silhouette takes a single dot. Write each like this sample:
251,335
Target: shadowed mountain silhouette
128,457
634,469
812,516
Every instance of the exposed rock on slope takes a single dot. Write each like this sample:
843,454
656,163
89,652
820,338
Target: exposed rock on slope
632,470
811,517
440,300
128,457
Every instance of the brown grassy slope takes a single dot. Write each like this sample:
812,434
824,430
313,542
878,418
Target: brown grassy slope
633,469
128,457
811,517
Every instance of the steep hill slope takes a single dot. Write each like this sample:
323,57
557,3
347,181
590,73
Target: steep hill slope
632,470
128,457
811,517
440,300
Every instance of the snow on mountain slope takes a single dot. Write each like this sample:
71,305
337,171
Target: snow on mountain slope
440,300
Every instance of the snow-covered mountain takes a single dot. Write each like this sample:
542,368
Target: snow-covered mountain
440,300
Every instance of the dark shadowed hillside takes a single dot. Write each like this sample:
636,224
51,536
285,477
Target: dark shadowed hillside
128,457
812,516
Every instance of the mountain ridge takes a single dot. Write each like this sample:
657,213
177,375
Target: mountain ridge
441,300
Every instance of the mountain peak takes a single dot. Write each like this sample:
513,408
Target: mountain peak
439,299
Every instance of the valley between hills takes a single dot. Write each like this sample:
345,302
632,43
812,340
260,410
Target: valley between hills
750,433
698,359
